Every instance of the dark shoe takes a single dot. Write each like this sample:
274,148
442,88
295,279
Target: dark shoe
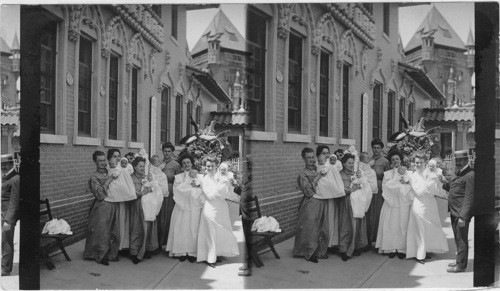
392,255
455,269
104,262
243,268
123,253
323,257
313,259
421,261
334,250
401,256
114,260
182,258
211,264
245,273
427,256
191,259
451,265
219,260
344,257
135,260
147,255
356,253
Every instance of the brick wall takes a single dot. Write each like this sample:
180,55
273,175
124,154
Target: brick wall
65,168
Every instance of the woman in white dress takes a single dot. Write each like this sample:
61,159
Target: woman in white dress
393,222
188,196
425,233
215,235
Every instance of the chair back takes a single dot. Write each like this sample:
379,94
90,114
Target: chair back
252,207
47,210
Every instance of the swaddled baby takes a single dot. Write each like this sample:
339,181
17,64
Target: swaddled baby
362,197
122,188
151,202
436,177
368,172
331,185
126,165
226,177
156,168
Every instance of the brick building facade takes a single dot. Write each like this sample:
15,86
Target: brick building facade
329,74
113,77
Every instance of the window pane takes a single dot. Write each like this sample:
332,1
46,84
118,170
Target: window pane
324,79
174,21
345,101
113,97
386,18
165,98
294,83
48,37
84,86
256,63
133,120
376,110
402,109
189,126
178,118
390,113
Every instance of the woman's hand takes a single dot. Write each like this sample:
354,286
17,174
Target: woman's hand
355,187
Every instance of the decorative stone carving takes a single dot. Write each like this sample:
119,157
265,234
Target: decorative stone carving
152,63
74,22
284,20
377,68
364,61
358,20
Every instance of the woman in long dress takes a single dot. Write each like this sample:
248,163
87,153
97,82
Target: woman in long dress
425,233
102,233
184,226
143,234
353,237
330,194
393,223
215,235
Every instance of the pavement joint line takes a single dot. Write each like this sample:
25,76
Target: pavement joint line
155,284
369,276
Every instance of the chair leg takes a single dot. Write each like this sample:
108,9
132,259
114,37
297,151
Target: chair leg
271,245
48,261
256,259
61,246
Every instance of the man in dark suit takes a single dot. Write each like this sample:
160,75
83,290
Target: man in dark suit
10,211
460,203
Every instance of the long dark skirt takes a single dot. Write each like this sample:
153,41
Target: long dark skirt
352,231
143,234
163,219
373,217
312,229
103,232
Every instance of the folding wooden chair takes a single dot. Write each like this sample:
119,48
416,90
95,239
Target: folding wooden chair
260,239
58,238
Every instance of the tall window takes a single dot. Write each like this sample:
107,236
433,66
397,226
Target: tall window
345,100
256,45
133,120
165,101
411,108
377,105
324,79
175,14
198,115
113,97
178,118
402,109
189,126
390,113
294,83
48,52
386,18
84,86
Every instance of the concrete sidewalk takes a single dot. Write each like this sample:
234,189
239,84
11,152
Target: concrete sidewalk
160,272
370,270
